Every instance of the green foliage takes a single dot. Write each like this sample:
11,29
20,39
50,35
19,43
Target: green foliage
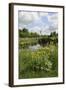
44,40
25,42
25,33
47,39
43,60
53,34
25,30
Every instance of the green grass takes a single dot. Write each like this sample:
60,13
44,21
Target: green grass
40,63
25,42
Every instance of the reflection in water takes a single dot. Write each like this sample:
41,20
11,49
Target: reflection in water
32,47
35,47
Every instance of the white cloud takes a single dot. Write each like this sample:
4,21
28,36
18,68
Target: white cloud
53,18
43,30
21,26
35,15
36,29
43,14
27,17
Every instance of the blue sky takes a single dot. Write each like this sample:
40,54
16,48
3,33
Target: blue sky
44,22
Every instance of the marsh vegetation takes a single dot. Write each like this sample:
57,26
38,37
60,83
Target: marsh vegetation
38,55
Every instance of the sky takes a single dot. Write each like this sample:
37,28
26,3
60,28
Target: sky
40,22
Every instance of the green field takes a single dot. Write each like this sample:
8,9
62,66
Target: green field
42,62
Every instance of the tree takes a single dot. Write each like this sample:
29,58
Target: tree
23,33
53,34
44,40
25,30
54,37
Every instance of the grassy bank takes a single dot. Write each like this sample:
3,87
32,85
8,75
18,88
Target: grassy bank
40,63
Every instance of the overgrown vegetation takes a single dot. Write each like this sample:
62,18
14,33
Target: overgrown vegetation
42,62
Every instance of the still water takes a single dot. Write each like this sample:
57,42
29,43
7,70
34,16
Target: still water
34,47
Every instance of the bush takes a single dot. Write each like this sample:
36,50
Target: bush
44,60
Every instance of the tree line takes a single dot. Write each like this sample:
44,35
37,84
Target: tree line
25,33
42,39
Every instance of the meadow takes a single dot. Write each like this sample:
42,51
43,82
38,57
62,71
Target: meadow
40,62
